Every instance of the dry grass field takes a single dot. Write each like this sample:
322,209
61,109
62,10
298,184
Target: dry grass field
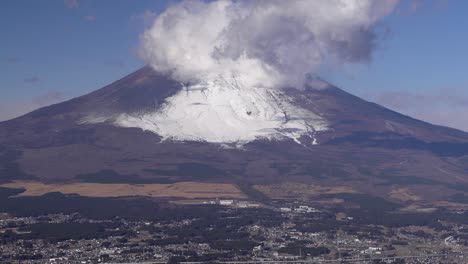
404,194
189,190
295,190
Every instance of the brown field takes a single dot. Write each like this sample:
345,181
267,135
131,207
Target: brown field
404,194
451,205
189,190
295,190
191,201
418,208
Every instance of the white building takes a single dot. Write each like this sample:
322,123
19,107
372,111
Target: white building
226,202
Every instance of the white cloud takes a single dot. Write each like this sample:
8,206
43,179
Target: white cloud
271,43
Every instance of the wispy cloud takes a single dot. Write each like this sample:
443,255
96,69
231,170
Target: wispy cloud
411,7
12,109
71,3
442,4
90,18
147,17
10,59
448,107
48,98
32,79
415,5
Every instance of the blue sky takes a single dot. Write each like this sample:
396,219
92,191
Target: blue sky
54,50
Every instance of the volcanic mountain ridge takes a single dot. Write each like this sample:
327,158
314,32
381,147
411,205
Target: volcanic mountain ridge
147,127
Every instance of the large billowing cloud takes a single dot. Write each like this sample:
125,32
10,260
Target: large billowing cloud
264,42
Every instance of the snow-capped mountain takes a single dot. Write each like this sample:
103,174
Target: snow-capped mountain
149,126
220,110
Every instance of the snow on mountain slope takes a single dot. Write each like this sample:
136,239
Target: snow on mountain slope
225,110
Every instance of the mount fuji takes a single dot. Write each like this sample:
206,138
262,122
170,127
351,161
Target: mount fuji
149,126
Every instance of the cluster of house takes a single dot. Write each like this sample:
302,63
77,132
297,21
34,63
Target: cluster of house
234,203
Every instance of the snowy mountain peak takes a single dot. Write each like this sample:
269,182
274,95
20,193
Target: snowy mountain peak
226,110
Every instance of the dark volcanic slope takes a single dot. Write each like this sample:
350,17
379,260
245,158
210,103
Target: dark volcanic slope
367,145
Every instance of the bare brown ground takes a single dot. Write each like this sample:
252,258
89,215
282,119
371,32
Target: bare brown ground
451,205
294,190
189,190
404,194
419,208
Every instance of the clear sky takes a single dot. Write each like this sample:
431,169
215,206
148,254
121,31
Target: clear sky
54,50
